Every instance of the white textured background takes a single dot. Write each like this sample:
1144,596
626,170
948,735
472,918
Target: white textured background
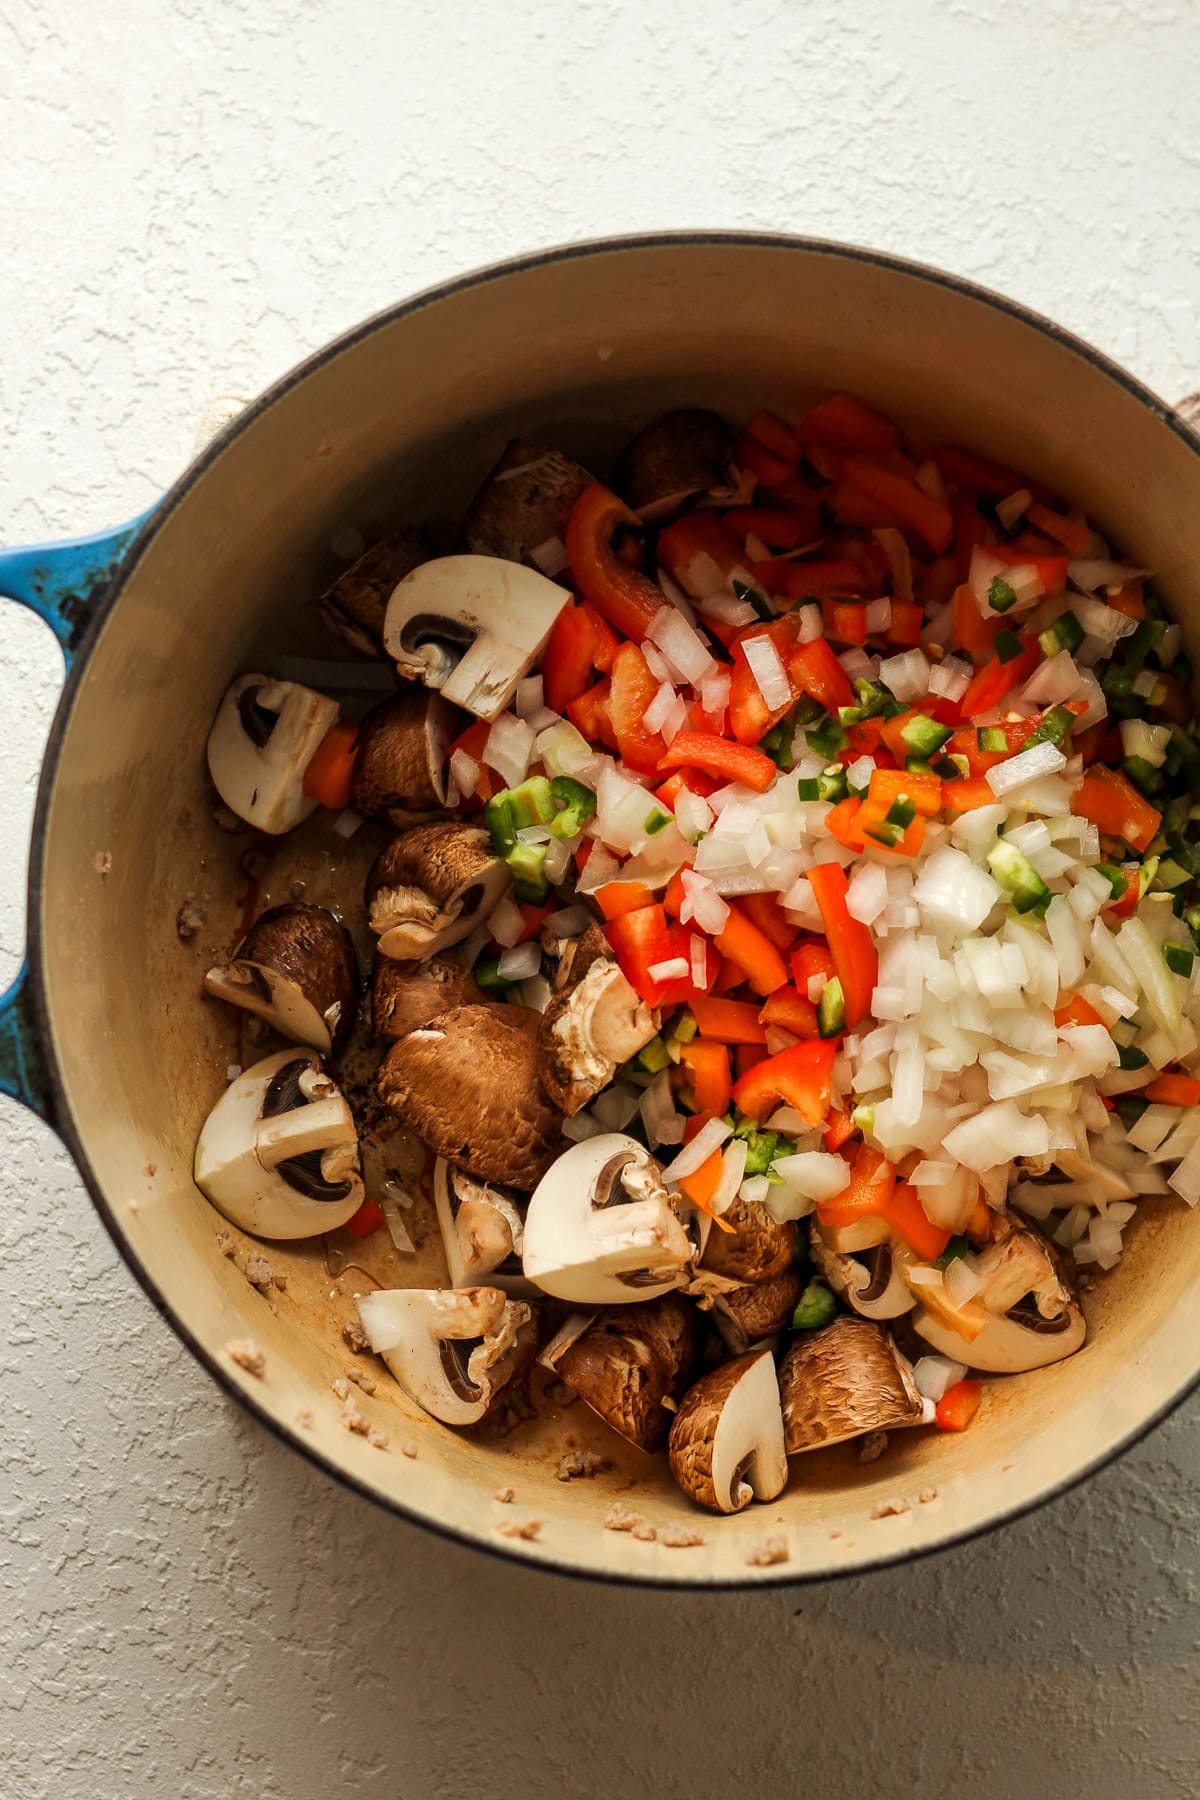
193,196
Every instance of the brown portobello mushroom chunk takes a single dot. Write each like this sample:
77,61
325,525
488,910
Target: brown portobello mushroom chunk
843,1380
296,969
355,605
525,502
629,1361
588,1030
683,453
726,1440
755,1249
746,1315
431,887
407,995
400,758
467,1085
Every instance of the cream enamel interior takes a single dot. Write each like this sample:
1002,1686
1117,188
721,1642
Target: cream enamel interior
396,425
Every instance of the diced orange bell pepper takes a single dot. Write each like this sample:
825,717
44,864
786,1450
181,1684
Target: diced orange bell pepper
1109,799
1173,1090
969,629
799,1077
872,1179
967,796
330,771
616,898
812,958
708,1065
925,791
755,955
1077,1011
790,1010
702,1183
728,1021
842,824
817,672
958,1405
908,1219
907,621
633,688
766,910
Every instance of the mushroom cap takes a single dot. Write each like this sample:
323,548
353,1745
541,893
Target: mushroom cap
400,757
680,454
525,501
431,886
466,1084
1030,1315
746,1315
296,969
407,995
629,1361
451,1350
726,1441
588,1030
845,1379
601,1229
874,1286
278,1153
262,739
472,626
482,1231
356,604
755,1249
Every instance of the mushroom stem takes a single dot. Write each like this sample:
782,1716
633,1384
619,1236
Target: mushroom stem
726,1442
321,1125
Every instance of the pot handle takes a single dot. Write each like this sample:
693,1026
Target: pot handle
63,584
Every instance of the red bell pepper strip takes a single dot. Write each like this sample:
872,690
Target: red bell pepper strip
717,756
1077,1012
872,1179
1173,1090
769,448
845,621
1051,570
850,942
931,518
729,1021
1072,534
958,1405
367,1219
978,473
755,955
640,940
712,1081
850,506
907,1218
967,796
567,660
839,1129
969,630
747,1057
799,1077
778,527
809,960
791,1011
997,678
843,422
330,771
750,717
817,672
624,596
842,822
633,688
591,714
767,912
1112,803
701,533
809,580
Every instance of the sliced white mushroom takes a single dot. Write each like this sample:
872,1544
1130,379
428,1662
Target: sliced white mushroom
601,1228
262,740
482,1231
278,1153
726,1441
451,1349
471,626
1024,1315
872,1283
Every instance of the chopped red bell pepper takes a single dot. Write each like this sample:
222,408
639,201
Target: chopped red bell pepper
843,422
812,958
845,621
958,1405
717,756
799,1076
1112,803
839,1129
712,1081
767,912
931,518
747,1057
843,823
1132,602
997,678
729,1021
567,660
694,781
810,580
978,473
640,940
755,955
967,796
1072,534
969,630
907,623
778,527
703,533
621,594
605,642
872,1179
769,448
535,917
850,506
633,688
616,898
925,791
817,672
1051,570
367,1219
850,942
591,713
750,717
792,1011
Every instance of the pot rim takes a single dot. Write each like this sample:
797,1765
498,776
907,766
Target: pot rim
62,1117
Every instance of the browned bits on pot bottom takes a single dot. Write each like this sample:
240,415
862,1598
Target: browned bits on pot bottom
680,1537
578,1465
247,1355
529,1529
890,1509
772,1550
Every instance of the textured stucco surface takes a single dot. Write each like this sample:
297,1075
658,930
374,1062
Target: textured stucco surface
194,196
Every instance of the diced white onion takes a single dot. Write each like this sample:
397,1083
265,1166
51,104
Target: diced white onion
682,646
509,748
768,671
1028,765
710,1137
505,923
